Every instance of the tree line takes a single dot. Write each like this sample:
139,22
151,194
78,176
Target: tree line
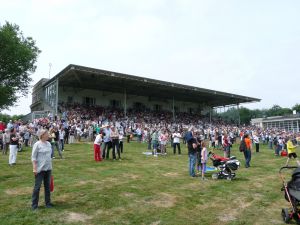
232,114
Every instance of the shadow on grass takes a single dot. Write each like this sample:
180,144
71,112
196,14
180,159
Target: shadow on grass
240,179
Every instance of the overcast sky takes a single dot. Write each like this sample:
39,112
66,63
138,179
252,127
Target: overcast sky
244,47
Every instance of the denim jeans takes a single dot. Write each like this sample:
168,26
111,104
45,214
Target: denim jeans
115,148
192,163
56,145
271,144
43,176
247,154
278,148
106,147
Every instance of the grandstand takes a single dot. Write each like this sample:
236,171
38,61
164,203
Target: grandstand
96,87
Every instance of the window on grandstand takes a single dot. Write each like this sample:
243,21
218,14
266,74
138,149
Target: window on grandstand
176,108
157,107
89,101
70,99
115,103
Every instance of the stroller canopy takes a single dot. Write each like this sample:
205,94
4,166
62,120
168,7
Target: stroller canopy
294,184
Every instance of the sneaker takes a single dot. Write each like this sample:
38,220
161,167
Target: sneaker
155,155
34,208
49,206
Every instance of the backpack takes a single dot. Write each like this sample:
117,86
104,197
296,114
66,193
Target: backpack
242,146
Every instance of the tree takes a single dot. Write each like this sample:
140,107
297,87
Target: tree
18,55
6,118
297,108
276,110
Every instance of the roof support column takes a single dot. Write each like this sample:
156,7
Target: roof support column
239,117
125,102
56,97
297,125
173,109
210,109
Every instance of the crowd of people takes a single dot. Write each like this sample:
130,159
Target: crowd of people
107,128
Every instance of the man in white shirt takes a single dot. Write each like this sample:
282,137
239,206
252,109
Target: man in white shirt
256,141
176,142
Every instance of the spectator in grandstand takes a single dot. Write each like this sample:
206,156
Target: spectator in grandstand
42,169
176,142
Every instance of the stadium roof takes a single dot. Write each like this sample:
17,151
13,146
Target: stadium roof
90,78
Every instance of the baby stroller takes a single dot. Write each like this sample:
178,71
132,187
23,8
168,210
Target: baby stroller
292,195
225,166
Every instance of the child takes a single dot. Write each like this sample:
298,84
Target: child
203,159
291,148
97,149
198,152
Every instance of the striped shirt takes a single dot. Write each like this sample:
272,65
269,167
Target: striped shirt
41,153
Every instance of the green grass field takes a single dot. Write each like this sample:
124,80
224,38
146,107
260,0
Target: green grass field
142,190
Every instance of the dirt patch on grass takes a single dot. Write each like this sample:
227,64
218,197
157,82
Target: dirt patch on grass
127,194
163,200
172,174
64,198
72,217
231,215
112,179
132,176
86,182
19,191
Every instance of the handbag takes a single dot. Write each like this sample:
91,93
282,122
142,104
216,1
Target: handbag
51,183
